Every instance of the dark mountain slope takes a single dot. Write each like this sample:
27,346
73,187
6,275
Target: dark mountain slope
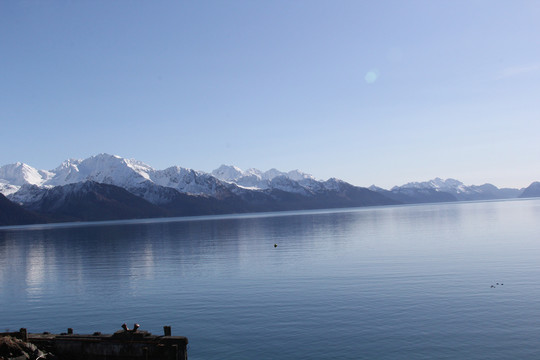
14,214
91,201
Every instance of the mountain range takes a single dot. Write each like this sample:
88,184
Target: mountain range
109,187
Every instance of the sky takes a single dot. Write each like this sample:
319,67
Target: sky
370,92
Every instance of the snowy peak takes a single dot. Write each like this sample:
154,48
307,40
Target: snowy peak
437,184
438,190
298,175
333,184
19,174
102,168
68,165
66,173
142,180
454,187
228,173
288,185
188,181
132,175
272,173
8,189
23,183
376,188
257,179
295,175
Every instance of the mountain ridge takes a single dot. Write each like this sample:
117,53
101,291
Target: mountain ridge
128,188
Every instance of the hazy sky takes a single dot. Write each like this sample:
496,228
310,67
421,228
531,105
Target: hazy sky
371,92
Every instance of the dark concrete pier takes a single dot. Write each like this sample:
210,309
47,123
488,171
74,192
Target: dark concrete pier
122,345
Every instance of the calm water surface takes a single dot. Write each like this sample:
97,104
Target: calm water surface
410,282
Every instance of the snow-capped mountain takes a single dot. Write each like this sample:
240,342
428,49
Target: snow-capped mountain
14,176
19,174
104,169
448,185
8,189
189,181
256,179
111,187
438,190
228,173
132,175
20,182
462,191
28,194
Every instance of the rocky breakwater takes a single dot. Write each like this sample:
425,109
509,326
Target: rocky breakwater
12,348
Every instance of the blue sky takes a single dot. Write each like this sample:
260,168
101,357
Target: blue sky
371,92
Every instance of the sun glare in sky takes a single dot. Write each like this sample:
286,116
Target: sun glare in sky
371,76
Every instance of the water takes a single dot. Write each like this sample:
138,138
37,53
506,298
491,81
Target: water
405,282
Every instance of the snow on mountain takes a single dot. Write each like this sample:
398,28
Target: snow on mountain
376,188
188,181
298,175
438,184
435,188
251,179
8,189
333,184
15,176
295,175
272,173
23,184
286,184
257,179
142,180
102,168
228,173
66,173
27,194
19,174
132,175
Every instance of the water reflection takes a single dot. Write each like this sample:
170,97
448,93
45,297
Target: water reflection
121,256
35,270
135,252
